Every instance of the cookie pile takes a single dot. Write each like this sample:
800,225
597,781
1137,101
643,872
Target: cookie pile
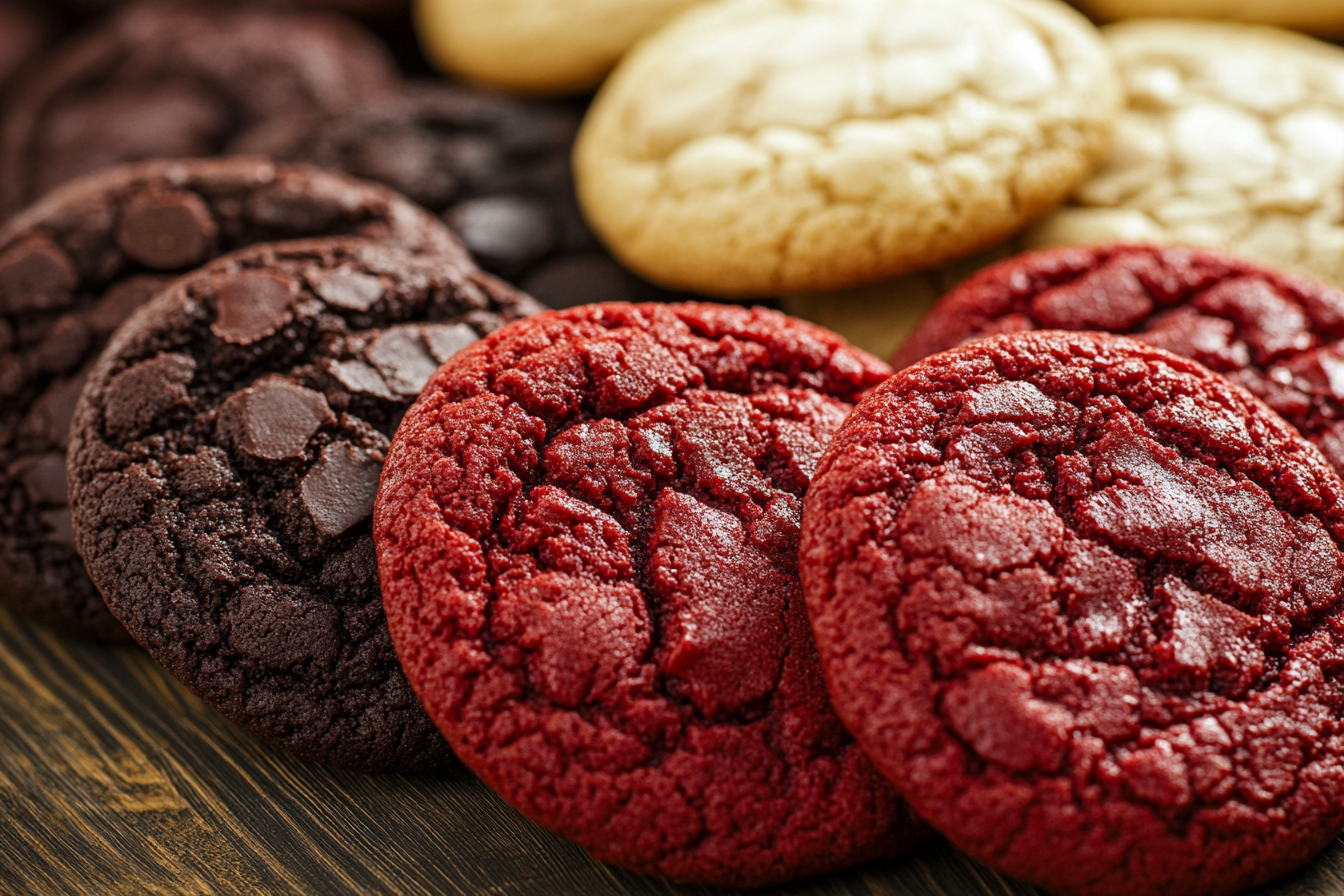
705,588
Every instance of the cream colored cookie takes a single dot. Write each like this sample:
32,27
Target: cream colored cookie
759,146
538,46
1325,17
1233,138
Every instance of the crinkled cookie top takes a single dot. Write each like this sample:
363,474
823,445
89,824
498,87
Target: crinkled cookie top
763,145
1079,599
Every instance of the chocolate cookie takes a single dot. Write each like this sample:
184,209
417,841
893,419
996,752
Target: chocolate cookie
587,536
165,79
1079,599
497,168
223,464
1278,335
74,265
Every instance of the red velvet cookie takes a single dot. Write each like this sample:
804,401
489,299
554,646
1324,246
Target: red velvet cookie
1279,335
1079,599
587,534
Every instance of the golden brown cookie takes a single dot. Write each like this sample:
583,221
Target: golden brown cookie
763,146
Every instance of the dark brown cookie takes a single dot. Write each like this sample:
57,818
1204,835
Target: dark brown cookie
496,168
223,464
74,265
164,79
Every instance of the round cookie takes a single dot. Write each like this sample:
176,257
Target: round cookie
762,146
223,463
166,79
537,46
1079,599
1233,138
1325,17
496,168
1280,336
587,536
75,264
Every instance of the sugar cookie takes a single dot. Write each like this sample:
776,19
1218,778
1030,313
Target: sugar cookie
1233,138
762,146
540,46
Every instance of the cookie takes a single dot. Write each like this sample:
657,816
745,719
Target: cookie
1300,15
223,463
587,536
74,265
164,79
537,46
496,168
1079,599
1233,138
1280,336
762,146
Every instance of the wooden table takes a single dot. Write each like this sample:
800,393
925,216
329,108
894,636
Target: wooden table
114,779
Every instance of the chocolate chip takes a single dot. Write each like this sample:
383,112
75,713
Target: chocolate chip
118,302
339,491
400,355
166,229
252,305
49,417
275,418
36,275
43,478
139,396
347,288
446,340
504,232
581,280
360,377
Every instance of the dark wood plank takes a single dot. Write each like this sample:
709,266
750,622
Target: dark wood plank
114,779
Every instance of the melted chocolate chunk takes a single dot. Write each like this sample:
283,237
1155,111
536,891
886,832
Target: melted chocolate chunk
252,305
340,489
166,230
275,419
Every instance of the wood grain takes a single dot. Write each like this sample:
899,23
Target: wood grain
114,779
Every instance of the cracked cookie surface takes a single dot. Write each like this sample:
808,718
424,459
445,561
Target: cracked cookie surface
74,265
1079,598
587,535
1280,336
1232,138
760,146
223,464
539,46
